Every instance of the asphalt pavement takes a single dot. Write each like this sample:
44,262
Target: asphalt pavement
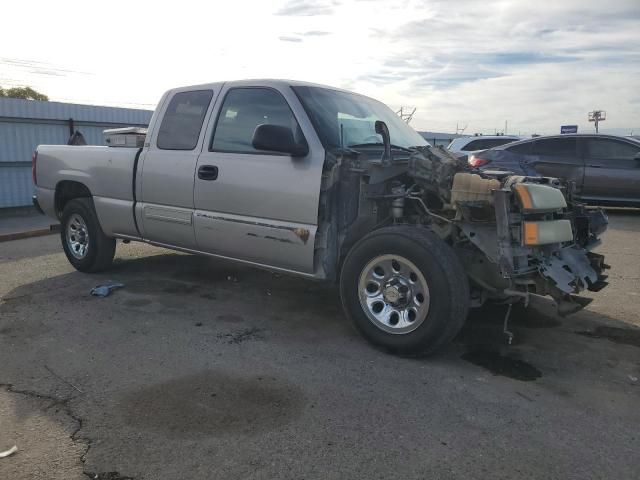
199,368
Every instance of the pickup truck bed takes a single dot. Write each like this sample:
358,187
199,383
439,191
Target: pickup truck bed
106,172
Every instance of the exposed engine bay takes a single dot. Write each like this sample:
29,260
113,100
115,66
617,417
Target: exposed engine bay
515,236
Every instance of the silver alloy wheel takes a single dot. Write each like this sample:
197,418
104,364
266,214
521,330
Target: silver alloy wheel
394,294
77,235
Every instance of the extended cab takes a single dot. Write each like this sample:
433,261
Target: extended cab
329,185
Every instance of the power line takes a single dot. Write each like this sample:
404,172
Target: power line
39,68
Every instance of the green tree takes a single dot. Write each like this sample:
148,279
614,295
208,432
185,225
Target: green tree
26,93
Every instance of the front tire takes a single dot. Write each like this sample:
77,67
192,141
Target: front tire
405,290
86,246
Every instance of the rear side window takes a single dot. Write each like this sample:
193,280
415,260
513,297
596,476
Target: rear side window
607,148
521,148
242,111
555,147
182,121
485,143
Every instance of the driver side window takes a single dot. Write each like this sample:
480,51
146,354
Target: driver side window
242,111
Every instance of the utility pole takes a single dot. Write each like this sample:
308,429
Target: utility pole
505,127
597,116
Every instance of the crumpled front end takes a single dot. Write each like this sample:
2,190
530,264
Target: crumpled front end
515,235
539,232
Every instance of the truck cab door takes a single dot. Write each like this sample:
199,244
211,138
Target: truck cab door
257,206
165,205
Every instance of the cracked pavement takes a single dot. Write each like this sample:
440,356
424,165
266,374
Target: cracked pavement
203,369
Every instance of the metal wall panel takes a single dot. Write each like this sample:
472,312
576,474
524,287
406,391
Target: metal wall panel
25,124
16,187
19,140
16,108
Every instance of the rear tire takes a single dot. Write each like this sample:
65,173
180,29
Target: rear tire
86,246
405,290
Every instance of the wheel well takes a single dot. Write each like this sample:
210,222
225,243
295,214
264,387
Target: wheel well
356,232
68,190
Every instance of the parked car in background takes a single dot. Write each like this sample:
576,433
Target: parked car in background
467,145
605,168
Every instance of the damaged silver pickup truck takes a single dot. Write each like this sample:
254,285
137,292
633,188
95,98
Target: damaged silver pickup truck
328,185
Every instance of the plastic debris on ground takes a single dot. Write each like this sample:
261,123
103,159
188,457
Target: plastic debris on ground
11,451
106,289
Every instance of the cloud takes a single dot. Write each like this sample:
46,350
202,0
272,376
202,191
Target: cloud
298,37
524,58
307,8
285,38
380,78
315,33
451,79
535,65
52,73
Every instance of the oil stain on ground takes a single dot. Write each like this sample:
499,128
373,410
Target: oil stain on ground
137,302
627,336
502,365
161,287
169,294
493,314
212,403
23,329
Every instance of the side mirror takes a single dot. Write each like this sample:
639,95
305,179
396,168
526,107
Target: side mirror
276,138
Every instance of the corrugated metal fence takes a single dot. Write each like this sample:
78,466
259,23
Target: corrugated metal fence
25,124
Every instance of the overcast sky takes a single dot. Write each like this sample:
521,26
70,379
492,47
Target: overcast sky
537,64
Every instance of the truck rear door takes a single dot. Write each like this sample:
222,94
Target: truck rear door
168,167
252,205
